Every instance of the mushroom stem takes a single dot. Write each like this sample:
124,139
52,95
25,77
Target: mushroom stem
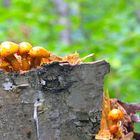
7,69
23,51
5,66
14,62
24,63
36,54
35,62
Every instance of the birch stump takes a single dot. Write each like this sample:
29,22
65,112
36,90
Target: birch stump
55,102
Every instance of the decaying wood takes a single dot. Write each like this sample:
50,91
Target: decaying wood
54,102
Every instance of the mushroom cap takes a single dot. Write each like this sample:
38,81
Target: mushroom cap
115,115
39,52
8,48
113,129
24,47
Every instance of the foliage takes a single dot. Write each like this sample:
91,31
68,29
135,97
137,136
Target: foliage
110,29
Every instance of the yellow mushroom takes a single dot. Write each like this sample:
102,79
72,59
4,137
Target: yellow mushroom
24,48
115,115
7,51
36,54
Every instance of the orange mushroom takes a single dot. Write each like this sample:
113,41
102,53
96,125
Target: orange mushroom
115,115
37,53
7,51
5,65
24,48
113,129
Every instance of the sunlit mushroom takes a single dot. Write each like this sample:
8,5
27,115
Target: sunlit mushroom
115,115
36,54
24,48
7,51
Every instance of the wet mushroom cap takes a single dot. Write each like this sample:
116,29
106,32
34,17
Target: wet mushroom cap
115,115
113,129
24,47
8,48
39,52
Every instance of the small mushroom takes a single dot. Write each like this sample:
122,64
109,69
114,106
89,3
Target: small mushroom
7,51
115,115
36,54
24,48
113,129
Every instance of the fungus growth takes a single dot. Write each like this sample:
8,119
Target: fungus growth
23,57
36,54
24,48
115,115
7,52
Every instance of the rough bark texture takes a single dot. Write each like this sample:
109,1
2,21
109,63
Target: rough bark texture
55,102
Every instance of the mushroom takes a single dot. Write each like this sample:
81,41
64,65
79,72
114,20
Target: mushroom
36,54
115,115
113,129
7,51
5,65
24,48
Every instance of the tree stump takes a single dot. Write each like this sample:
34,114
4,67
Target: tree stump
55,102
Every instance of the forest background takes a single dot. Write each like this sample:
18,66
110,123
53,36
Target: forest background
108,28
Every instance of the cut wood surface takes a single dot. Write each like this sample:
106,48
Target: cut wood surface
55,102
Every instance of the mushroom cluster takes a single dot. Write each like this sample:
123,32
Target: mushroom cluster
21,57
118,119
115,115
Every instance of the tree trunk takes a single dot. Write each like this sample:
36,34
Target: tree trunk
62,8
6,3
55,102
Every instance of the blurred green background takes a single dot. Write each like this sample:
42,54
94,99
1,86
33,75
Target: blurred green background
108,28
